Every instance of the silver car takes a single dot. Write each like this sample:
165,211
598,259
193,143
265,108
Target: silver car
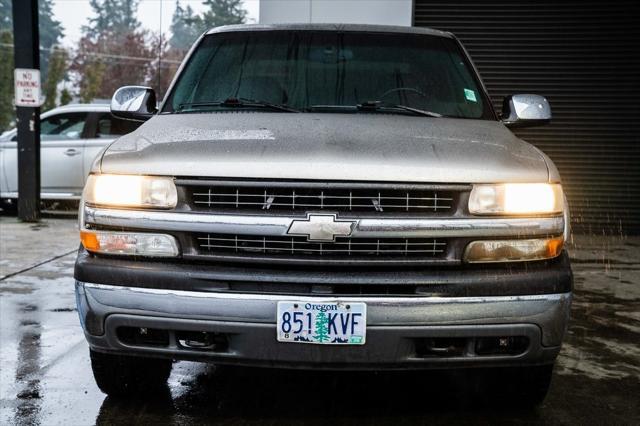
71,137
334,197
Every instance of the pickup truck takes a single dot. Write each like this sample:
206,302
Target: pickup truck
339,197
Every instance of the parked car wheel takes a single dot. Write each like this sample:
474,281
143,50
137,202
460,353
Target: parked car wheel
120,375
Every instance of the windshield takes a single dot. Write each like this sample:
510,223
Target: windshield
308,70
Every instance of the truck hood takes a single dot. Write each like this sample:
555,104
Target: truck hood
354,147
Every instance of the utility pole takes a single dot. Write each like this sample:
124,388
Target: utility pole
27,62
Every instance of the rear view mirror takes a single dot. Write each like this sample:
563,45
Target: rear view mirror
525,111
136,103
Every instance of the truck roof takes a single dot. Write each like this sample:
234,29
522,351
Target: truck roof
331,27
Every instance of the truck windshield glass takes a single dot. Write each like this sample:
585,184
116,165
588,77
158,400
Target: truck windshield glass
308,70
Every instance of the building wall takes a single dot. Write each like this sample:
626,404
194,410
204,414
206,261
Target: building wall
583,55
387,12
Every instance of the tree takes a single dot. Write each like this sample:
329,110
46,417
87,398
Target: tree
113,17
91,82
161,72
185,28
57,69
223,12
112,44
51,32
65,97
7,112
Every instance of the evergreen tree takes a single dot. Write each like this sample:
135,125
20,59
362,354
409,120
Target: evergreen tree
161,73
185,28
91,83
65,96
112,18
112,44
7,112
57,70
51,32
223,12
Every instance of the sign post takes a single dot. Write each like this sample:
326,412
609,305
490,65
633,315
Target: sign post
27,91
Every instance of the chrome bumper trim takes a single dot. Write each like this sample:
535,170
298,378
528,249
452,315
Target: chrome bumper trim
365,228
382,300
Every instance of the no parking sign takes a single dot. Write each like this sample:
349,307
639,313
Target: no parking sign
27,87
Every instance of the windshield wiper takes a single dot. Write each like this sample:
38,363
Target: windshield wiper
373,106
379,106
235,103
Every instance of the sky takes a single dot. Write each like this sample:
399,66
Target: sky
73,14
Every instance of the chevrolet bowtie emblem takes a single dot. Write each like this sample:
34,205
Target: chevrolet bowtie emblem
321,227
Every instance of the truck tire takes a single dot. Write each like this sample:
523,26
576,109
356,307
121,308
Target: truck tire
121,375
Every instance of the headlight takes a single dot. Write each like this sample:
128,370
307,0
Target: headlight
131,191
516,198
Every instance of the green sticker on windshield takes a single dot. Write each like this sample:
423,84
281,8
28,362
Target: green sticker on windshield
470,95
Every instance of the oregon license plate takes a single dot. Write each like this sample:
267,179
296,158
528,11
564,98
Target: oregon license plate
327,323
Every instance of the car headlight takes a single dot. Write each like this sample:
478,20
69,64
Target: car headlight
131,191
516,198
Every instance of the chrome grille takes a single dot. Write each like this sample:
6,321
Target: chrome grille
299,246
289,199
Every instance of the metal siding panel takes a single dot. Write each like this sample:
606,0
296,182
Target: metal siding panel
584,57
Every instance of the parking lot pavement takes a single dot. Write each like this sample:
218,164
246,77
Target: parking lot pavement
45,377
27,245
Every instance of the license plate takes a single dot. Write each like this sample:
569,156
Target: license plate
327,323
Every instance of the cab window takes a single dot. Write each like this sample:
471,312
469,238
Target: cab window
63,127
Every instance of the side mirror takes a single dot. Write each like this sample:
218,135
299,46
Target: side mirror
136,103
525,111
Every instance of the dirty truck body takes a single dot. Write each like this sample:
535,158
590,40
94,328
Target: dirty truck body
327,197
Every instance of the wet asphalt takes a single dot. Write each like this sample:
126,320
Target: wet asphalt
45,376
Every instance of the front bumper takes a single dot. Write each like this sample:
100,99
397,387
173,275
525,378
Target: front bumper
395,326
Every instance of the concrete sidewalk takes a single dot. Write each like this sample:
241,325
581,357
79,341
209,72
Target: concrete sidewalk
45,375
24,246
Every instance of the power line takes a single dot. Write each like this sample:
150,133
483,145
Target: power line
106,55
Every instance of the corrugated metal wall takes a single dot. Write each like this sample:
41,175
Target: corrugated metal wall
584,56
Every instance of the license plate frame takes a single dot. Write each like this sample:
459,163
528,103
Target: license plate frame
322,323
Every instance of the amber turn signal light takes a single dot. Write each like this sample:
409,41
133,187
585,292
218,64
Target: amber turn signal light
486,251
